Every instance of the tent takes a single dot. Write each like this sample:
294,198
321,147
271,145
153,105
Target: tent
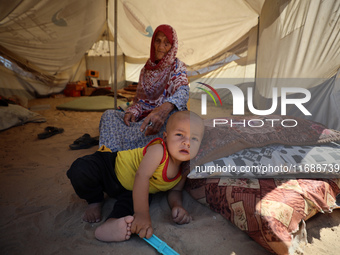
262,44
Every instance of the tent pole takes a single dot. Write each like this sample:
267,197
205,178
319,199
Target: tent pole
257,48
115,56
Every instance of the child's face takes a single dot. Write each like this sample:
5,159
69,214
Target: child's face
183,138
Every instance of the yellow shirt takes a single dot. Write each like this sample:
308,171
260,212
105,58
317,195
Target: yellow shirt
127,163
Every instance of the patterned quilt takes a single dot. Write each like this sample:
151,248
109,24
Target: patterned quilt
271,211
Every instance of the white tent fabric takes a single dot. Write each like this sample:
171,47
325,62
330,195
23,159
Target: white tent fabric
299,46
258,43
298,39
193,22
48,38
239,70
203,39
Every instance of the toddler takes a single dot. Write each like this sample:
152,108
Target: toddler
131,175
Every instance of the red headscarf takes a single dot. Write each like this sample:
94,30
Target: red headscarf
169,32
159,81
154,78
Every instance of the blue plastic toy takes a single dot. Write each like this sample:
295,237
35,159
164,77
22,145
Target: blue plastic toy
160,246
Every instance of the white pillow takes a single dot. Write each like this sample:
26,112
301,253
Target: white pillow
275,161
14,115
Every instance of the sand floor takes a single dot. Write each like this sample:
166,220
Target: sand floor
41,214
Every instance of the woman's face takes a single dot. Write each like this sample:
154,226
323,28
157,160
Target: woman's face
162,45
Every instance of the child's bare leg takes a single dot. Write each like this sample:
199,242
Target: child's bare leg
115,230
93,213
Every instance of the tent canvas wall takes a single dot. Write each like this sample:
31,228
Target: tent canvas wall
299,46
257,43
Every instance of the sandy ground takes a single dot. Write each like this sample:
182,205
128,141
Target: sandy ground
41,214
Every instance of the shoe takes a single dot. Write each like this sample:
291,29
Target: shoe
50,131
84,142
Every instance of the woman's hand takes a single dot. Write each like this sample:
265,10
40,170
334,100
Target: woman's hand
157,118
129,117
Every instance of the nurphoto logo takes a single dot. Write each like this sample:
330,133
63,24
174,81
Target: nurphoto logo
238,104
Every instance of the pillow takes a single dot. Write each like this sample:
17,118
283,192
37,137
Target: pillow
275,161
271,211
14,115
224,140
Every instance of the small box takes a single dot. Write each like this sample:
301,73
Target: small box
83,83
88,91
92,73
103,83
79,85
72,93
74,86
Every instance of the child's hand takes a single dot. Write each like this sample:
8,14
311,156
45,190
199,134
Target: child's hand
141,225
180,215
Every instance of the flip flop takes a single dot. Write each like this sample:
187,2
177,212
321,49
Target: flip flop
50,131
84,142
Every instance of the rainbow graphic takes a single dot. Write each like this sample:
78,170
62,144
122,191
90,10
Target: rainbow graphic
213,90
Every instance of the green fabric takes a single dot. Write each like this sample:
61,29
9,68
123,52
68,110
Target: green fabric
92,103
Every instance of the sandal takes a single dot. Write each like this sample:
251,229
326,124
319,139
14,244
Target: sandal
50,131
84,142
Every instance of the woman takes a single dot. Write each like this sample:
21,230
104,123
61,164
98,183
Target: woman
162,89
